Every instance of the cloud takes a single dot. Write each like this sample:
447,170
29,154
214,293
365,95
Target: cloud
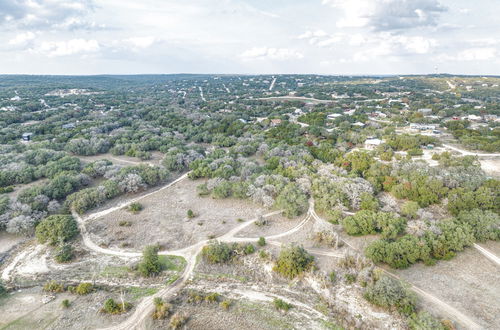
22,39
477,54
387,15
66,48
44,13
264,53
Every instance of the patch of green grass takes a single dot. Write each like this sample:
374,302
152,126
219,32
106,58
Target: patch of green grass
116,271
140,292
330,325
221,276
264,313
174,263
172,279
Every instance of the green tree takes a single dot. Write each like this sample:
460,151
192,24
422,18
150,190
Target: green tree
293,261
56,229
150,264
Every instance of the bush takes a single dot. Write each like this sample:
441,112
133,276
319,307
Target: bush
135,207
84,288
293,261
332,276
261,241
249,249
162,309
410,209
390,293
111,307
177,320
3,290
281,305
225,304
65,303
370,222
485,224
212,297
56,229
350,278
64,254
53,286
218,252
424,321
150,264
190,214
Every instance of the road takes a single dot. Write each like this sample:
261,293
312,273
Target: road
470,153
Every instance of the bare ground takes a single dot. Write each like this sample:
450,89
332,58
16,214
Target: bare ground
468,282
164,219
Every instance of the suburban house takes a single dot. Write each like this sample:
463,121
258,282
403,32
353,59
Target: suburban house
27,136
372,144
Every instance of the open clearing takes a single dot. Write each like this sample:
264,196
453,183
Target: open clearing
156,158
164,219
468,282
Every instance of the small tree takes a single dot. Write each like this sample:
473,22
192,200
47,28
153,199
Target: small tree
56,229
293,261
150,264
64,254
410,209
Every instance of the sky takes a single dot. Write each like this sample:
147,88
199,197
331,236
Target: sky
250,36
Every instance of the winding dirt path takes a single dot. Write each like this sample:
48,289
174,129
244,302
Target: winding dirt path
452,312
470,153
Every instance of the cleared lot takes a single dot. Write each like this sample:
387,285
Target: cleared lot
164,219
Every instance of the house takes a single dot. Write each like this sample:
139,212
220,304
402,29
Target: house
333,116
69,126
372,144
425,111
27,136
473,118
275,122
359,124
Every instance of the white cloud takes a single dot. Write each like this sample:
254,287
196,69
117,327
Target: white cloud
22,39
141,42
70,47
264,53
386,15
477,54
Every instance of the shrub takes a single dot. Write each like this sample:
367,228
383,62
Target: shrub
56,229
390,293
350,278
65,303
212,297
281,305
135,207
249,249
410,209
368,202
217,253
293,261
332,276
65,253
190,214
84,288
124,223
150,264
111,307
225,304
177,320
162,309
53,286
423,321
261,241
3,290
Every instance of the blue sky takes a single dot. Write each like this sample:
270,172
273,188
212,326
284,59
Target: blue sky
243,36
